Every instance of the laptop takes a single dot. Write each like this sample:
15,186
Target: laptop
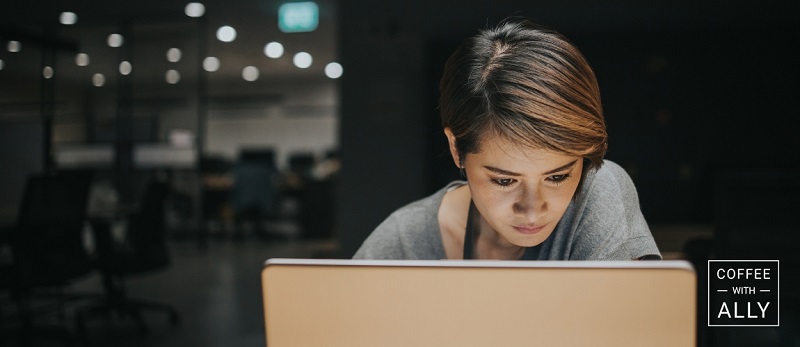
324,302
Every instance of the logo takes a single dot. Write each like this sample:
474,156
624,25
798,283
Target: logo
743,293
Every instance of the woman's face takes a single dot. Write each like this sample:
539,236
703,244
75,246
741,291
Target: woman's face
520,192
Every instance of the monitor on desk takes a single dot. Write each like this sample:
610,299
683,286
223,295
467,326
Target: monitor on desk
310,302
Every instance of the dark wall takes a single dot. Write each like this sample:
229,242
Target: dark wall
382,124
690,89
685,106
20,150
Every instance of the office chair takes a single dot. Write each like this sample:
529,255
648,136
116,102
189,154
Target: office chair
252,196
144,250
47,251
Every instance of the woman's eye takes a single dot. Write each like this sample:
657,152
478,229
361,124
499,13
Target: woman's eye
503,182
558,178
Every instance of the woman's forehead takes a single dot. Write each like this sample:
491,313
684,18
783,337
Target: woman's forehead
502,147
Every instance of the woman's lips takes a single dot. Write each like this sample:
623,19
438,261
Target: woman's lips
529,229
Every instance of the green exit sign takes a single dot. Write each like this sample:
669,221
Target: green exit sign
297,17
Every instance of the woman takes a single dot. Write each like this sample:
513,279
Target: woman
521,109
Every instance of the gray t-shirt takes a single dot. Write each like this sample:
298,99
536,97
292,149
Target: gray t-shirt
603,222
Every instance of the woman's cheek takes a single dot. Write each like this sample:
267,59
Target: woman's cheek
498,203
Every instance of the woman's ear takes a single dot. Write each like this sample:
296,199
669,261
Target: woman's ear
451,140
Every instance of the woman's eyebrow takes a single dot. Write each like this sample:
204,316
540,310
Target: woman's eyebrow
501,171
561,168
514,174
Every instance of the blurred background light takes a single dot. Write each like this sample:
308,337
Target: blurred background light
173,76
302,60
125,68
211,64
194,9
174,55
68,18
294,17
250,73
115,40
82,59
98,80
226,33
333,70
273,50
14,46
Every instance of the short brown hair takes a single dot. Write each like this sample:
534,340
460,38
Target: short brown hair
528,84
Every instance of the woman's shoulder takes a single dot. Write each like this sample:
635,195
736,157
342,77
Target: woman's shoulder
410,232
609,196
609,221
428,205
610,177
610,169
607,192
422,215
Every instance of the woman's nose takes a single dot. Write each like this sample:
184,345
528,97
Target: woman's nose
530,202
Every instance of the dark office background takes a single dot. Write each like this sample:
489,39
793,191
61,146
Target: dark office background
695,94
690,89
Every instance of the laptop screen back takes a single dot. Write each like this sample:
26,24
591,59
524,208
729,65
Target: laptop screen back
478,303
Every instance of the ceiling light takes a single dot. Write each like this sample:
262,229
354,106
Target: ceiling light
333,70
82,59
125,68
115,40
174,55
98,80
47,72
173,76
302,60
14,46
68,18
226,33
194,9
211,64
273,50
250,73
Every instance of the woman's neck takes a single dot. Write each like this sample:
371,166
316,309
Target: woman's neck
490,245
